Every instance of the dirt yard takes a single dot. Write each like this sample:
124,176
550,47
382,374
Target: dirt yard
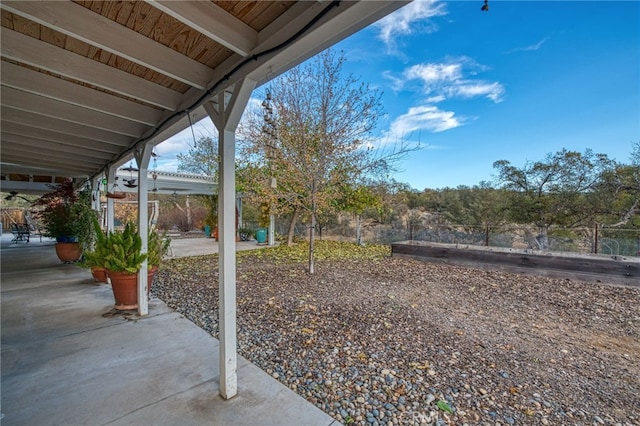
375,340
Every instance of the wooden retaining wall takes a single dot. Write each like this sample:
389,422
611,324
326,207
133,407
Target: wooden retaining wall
600,268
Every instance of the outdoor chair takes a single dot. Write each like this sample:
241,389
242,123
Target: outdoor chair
21,233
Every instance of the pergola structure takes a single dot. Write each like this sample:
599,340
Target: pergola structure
87,86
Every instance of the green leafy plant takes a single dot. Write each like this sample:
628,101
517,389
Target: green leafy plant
94,256
441,404
158,245
67,214
122,251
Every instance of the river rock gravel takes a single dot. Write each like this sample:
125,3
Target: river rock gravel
390,341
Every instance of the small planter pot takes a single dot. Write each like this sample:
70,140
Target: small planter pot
68,252
99,274
261,235
125,289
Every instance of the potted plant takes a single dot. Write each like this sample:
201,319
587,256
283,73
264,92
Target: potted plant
211,220
67,216
158,245
93,257
122,259
263,224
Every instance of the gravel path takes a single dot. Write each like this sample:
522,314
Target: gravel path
385,341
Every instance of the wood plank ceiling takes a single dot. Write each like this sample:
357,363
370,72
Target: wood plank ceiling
83,83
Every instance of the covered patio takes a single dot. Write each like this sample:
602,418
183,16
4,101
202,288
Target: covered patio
67,359
87,87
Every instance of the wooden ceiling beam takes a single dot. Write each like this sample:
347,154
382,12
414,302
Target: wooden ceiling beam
81,23
52,87
55,163
213,22
59,138
41,154
30,51
51,108
39,170
43,122
46,144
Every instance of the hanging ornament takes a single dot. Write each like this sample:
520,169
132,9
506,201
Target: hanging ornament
131,182
115,191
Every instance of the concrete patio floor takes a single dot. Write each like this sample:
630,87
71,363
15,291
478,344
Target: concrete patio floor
67,361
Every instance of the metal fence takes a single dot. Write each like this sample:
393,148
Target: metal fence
620,242
602,240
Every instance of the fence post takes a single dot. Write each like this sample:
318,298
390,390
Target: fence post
595,243
486,238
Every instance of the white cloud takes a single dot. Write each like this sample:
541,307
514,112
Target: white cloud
471,89
451,79
529,48
434,73
402,21
181,142
422,118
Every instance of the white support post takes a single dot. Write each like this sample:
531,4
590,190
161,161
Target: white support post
226,119
142,159
95,193
111,179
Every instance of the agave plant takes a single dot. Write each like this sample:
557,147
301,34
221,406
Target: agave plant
122,251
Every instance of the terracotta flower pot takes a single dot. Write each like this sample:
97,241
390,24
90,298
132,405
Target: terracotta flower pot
68,252
99,274
125,289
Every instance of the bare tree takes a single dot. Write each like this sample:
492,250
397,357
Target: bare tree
201,159
324,124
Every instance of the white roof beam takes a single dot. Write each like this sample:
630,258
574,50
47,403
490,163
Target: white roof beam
28,50
24,187
51,108
59,138
54,162
39,121
213,22
55,88
45,144
81,23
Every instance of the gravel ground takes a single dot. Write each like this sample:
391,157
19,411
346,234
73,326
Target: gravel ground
385,341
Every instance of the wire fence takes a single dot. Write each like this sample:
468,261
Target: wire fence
599,239
602,240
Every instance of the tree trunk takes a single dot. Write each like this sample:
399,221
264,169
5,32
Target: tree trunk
186,211
187,204
358,230
312,232
292,226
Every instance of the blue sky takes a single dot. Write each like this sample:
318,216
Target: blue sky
517,82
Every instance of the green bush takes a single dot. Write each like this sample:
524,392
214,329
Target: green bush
122,251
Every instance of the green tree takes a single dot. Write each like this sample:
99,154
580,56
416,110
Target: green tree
201,159
554,191
619,193
357,200
324,124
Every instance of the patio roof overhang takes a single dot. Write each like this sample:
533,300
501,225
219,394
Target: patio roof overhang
88,85
85,83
